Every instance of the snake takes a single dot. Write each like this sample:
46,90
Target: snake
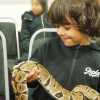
48,82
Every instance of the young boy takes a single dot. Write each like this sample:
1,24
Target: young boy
70,57
31,22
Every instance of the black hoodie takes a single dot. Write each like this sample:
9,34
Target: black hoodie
70,66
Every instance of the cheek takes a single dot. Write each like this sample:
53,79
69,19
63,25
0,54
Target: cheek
57,31
75,35
40,8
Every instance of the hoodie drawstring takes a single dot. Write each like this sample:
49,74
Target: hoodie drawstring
42,23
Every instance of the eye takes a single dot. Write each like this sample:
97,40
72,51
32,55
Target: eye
67,28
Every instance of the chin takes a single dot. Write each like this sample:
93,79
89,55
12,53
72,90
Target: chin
35,13
69,45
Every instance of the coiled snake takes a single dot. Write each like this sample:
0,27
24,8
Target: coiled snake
19,83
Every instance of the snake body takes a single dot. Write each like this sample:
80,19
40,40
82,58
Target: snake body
19,84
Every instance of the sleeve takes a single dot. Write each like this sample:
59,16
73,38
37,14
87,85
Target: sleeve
32,84
24,36
98,86
37,56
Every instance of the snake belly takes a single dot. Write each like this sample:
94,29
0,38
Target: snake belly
19,84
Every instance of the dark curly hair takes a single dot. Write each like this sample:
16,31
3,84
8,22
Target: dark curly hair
86,14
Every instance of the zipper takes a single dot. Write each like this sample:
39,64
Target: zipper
73,64
42,23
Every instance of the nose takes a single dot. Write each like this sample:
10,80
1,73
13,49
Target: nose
60,31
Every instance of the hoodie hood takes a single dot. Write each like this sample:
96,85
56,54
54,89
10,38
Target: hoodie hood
44,4
93,46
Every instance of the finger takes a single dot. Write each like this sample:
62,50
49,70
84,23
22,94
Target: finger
35,77
30,75
35,69
31,79
39,76
37,73
14,67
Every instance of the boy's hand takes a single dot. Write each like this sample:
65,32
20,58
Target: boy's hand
34,75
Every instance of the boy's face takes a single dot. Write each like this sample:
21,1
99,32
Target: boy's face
71,36
36,7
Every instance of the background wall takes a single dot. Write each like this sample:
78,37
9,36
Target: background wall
15,8
19,1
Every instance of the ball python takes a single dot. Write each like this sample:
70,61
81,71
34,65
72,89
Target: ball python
19,84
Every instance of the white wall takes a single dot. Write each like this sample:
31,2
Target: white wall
14,1
49,2
15,8
19,1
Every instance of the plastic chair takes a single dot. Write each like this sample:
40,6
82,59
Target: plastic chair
35,34
3,65
10,30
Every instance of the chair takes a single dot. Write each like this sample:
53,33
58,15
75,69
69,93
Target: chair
3,68
38,42
9,29
34,44
33,39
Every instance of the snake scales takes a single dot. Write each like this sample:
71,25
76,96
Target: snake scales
19,83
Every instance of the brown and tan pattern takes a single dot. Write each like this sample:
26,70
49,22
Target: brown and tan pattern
19,83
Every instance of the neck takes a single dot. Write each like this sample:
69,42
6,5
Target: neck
85,40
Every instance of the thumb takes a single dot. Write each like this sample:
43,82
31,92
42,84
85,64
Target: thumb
15,67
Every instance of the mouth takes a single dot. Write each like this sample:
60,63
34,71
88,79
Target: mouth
65,39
